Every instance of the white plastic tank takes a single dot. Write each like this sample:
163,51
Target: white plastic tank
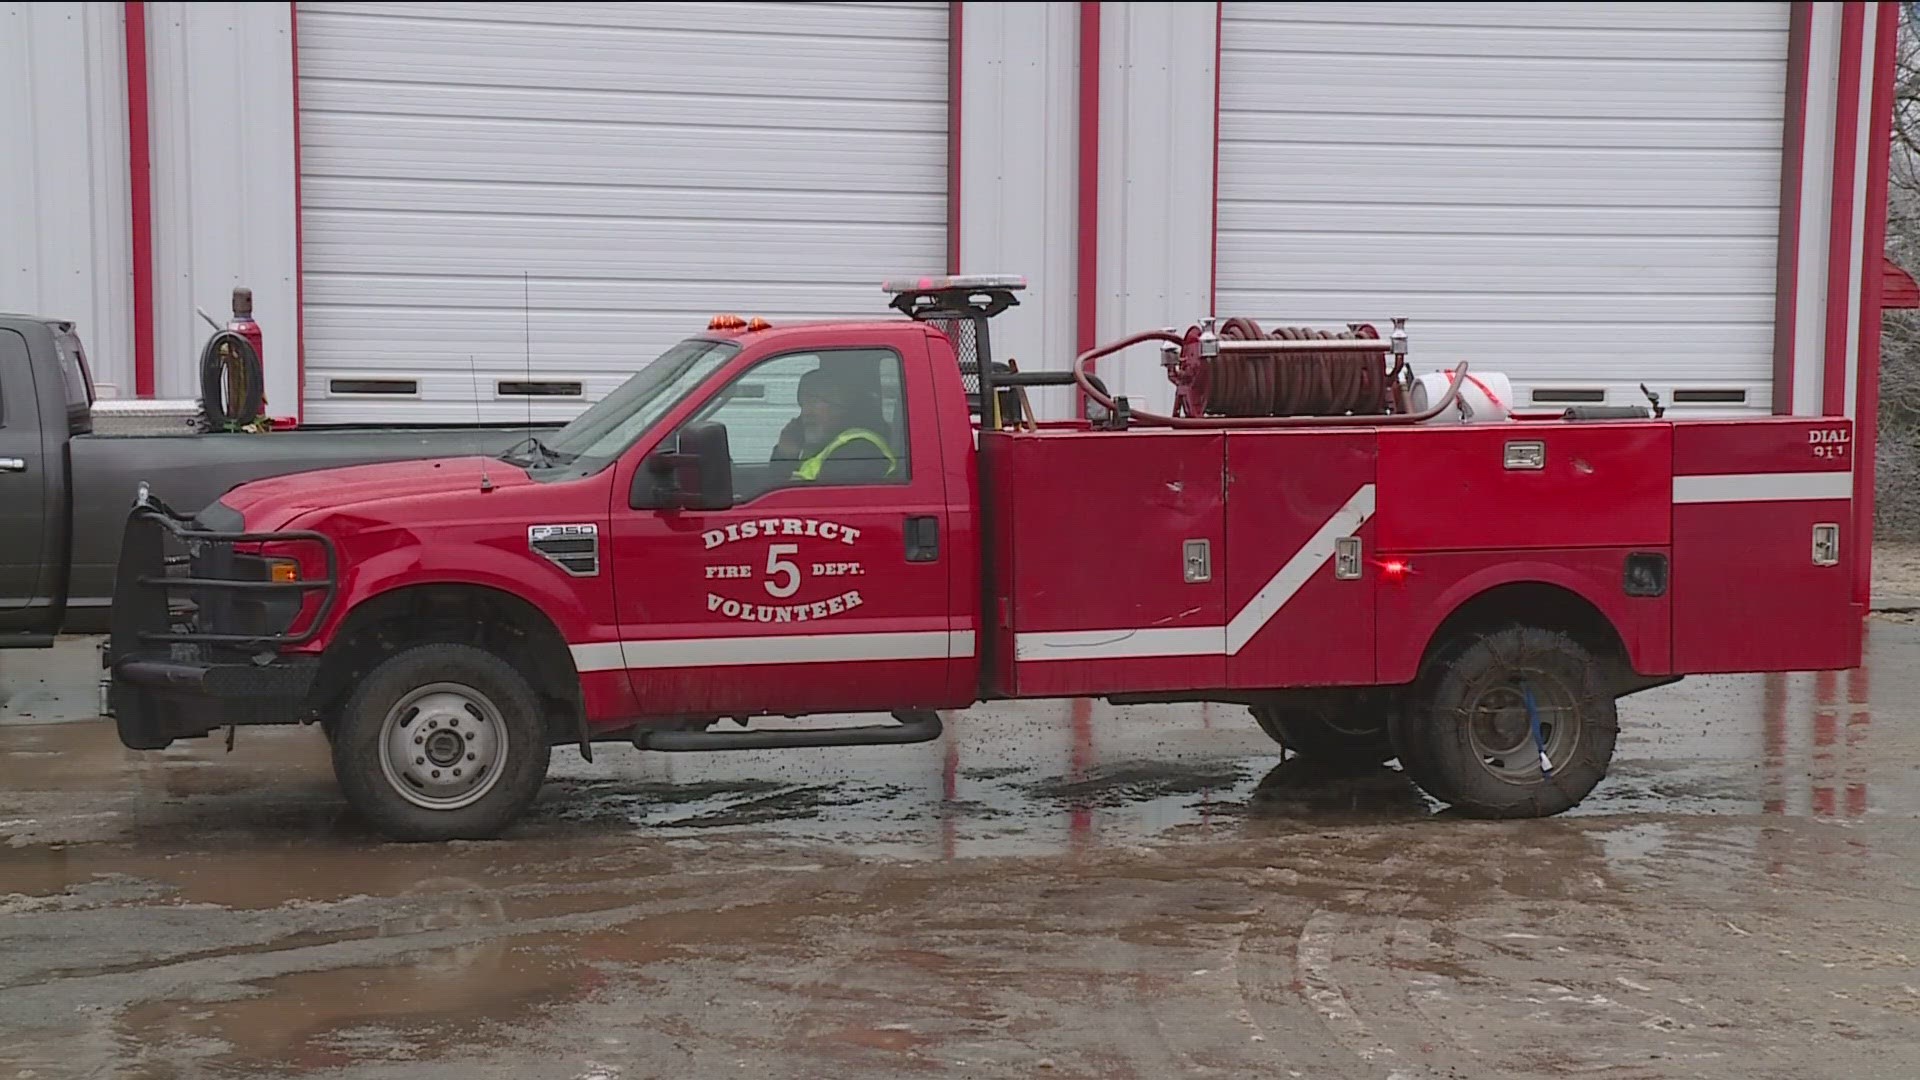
1487,397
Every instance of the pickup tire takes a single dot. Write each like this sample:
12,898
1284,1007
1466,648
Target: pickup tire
441,742
1467,740
1336,731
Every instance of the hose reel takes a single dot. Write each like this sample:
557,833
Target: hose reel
1241,370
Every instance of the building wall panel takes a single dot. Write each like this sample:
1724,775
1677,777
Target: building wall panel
221,78
1156,182
1019,98
64,236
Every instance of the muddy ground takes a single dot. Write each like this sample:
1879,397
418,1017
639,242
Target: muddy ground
1896,572
1060,890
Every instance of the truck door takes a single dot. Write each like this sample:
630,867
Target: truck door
24,488
1299,567
825,587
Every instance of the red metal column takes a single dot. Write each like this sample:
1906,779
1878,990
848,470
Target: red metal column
1846,144
1213,262
1087,269
1793,158
299,232
954,22
140,197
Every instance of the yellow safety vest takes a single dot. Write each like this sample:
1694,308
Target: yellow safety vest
810,468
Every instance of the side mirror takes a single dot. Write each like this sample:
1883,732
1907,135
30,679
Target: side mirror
698,476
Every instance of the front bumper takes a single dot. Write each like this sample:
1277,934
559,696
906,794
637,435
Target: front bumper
181,670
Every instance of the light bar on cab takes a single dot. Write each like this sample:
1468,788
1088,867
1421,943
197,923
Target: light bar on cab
969,281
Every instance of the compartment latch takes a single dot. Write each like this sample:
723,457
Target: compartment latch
1826,544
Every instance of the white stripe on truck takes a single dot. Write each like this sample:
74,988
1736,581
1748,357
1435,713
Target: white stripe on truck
782,649
1128,642
1762,487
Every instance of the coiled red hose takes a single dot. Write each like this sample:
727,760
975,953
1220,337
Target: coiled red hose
1296,383
1100,397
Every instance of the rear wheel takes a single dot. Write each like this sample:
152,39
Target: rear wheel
1491,705
1347,728
441,742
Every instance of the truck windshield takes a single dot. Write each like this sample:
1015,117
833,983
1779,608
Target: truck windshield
604,431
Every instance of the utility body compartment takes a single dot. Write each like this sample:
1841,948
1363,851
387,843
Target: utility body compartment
1158,560
1750,590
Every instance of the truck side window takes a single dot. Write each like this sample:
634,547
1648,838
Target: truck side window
832,417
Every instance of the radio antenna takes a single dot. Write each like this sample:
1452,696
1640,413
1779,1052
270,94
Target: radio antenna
526,322
486,482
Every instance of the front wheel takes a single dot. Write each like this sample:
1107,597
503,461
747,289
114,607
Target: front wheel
441,742
1510,723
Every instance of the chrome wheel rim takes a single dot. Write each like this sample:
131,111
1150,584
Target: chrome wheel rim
1503,740
442,746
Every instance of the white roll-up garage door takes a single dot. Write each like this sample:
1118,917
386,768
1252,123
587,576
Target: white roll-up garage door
1585,196
602,178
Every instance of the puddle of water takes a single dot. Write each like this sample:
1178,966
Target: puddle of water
1008,778
443,1002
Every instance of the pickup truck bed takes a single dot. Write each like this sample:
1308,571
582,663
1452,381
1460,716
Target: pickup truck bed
65,492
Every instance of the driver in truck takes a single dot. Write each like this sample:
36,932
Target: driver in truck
837,438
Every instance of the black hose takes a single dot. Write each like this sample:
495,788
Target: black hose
239,397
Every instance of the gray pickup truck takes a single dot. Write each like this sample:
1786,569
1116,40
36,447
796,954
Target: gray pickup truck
65,489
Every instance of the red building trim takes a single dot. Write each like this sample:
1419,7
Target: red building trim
1846,146
954,22
1087,268
299,231
1872,293
1793,158
1213,263
140,196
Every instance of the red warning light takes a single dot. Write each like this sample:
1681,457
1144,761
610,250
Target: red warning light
1395,569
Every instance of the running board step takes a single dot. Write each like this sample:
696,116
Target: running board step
915,726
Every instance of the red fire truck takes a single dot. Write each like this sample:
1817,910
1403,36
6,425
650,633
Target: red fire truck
866,517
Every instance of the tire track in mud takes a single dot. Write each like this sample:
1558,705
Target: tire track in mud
1341,968
1275,992
1130,976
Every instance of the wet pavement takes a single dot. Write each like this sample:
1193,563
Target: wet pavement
1062,890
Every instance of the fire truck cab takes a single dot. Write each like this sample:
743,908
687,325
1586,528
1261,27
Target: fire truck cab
865,517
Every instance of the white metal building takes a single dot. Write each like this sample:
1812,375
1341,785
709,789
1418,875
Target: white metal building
429,199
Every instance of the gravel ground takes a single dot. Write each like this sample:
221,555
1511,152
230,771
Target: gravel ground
1056,889
1896,569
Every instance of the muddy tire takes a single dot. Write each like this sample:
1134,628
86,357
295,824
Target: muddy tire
1355,733
441,742
1467,740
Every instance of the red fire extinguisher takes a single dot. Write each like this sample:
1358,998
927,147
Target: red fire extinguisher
242,322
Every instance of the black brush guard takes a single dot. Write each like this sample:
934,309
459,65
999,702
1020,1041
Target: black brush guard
171,679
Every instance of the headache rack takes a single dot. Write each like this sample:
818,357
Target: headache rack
959,307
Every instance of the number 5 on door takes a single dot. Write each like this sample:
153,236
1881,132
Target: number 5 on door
777,566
